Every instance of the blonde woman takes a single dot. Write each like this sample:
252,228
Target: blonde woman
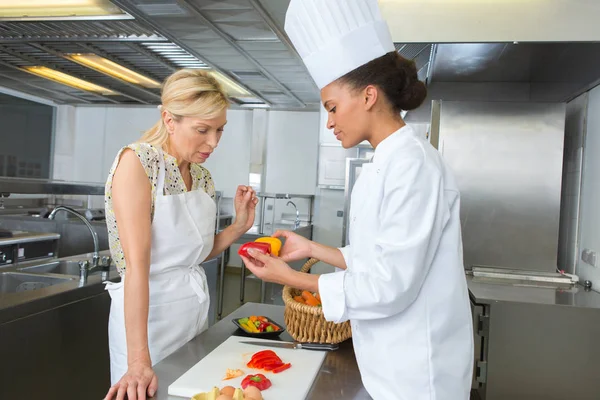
161,217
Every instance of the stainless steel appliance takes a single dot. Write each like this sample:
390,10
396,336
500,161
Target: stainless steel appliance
17,247
507,159
529,321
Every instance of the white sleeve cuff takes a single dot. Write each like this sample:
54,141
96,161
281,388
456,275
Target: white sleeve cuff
346,254
333,299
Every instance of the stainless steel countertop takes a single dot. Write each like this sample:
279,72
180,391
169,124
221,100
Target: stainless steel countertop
17,305
303,230
489,291
338,377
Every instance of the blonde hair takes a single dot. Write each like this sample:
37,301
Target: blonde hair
187,93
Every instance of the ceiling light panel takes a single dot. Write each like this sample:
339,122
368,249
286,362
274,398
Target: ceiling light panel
59,9
108,67
68,80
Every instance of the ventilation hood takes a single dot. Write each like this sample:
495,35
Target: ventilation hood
245,42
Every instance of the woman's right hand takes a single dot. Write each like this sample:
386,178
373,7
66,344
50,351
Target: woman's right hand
295,248
138,383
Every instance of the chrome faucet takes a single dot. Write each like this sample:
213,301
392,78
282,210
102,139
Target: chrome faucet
96,256
85,269
297,223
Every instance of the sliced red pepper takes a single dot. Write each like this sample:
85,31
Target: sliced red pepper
263,352
266,357
264,248
282,368
272,366
260,364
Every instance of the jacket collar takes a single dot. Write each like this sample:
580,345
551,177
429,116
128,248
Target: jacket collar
388,146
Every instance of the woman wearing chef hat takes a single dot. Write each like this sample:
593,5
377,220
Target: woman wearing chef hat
402,284
161,215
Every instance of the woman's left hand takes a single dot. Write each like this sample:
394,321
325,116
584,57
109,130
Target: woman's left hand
268,268
245,202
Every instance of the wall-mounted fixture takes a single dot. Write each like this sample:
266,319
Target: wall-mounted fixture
68,80
47,10
231,87
112,69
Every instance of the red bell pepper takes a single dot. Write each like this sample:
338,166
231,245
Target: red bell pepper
281,368
264,248
260,381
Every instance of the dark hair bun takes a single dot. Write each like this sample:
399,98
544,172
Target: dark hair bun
412,96
396,76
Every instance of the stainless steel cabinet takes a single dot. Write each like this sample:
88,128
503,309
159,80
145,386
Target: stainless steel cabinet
535,343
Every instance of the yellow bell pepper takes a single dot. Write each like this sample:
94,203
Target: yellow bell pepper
274,242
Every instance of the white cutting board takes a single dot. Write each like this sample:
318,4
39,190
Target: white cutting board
291,384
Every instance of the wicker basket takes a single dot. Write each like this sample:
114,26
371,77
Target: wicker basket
306,323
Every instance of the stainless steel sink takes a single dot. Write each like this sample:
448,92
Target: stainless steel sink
56,267
14,282
64,267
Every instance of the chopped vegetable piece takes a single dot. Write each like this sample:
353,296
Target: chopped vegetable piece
282,368
272,366
261,361
250,327
233,373
262,352
310,299
263,326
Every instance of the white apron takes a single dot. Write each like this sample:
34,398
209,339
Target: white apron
182,237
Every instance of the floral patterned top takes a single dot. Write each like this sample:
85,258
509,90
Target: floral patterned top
174,184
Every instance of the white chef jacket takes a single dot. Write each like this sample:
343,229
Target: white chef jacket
404,289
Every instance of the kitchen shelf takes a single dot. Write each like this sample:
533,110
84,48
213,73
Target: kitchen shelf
42,186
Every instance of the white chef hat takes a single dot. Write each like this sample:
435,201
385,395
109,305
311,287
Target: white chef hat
334,37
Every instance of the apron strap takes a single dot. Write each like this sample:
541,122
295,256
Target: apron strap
198,282
195,272
197,278
160,184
